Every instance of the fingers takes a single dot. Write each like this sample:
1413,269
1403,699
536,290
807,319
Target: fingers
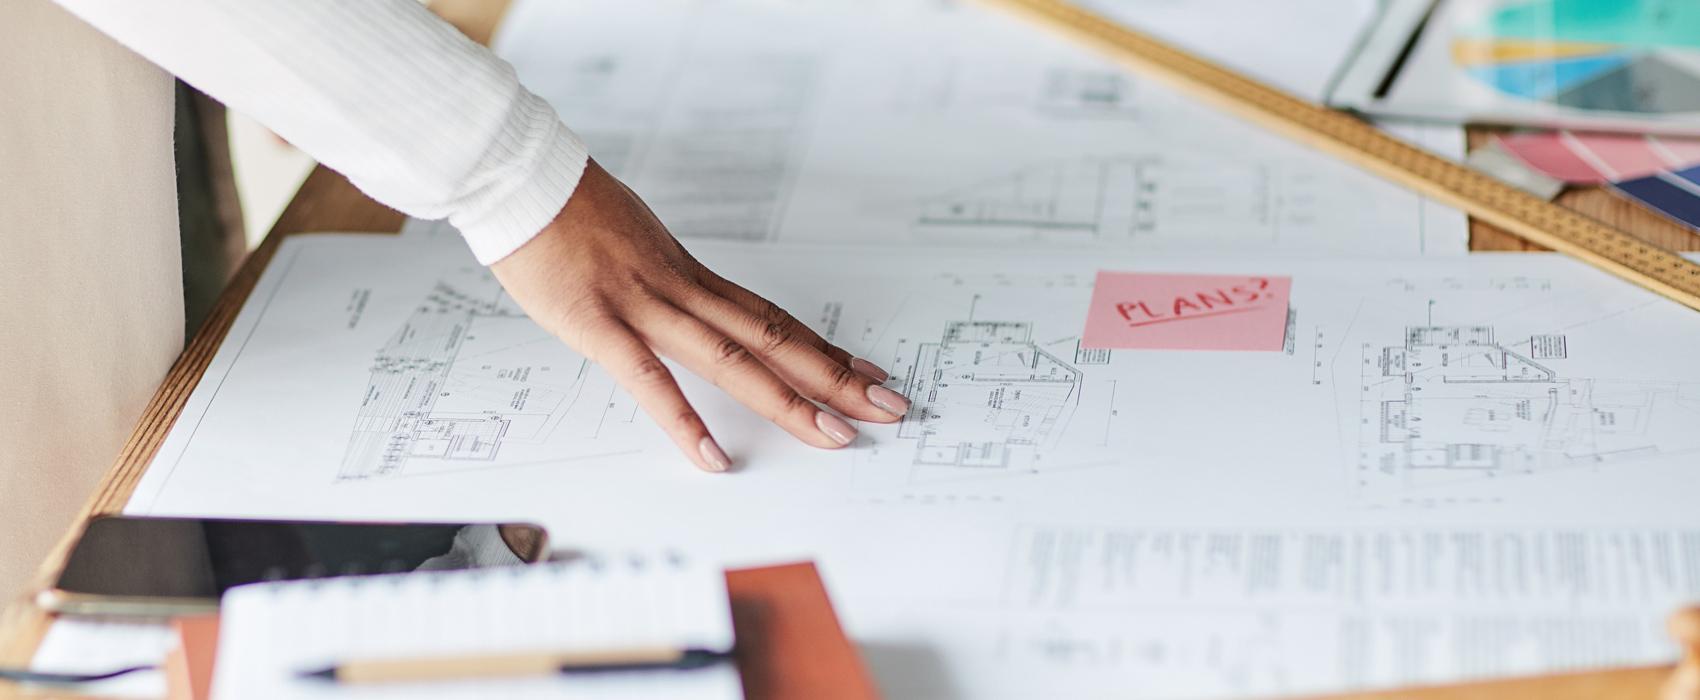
779,341
737,371
761,308
613,345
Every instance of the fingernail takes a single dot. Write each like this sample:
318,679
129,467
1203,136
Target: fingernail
713,456
869,369
835,428
888,400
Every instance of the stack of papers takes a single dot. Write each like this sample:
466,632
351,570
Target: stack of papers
1448,468
269,634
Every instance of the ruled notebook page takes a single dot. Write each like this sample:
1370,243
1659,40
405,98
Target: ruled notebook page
271,632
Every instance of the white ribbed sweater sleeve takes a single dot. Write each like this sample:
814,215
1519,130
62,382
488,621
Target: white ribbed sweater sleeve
415,114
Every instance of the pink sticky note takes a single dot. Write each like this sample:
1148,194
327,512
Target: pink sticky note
1140,311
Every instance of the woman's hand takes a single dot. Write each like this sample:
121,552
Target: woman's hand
608,279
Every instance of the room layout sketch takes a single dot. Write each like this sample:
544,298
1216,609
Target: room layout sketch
1456,403
1124,198
455,383
986,398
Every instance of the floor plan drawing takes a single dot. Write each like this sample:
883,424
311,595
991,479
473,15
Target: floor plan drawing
1457,403
1187,514
455,383
986,397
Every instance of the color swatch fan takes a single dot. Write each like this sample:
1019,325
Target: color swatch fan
1638,56
1603,64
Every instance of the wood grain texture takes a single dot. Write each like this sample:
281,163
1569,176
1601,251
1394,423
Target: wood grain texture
327,202
1599,203
1641,683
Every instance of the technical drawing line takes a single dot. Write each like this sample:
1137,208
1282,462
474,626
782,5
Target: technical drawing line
288,267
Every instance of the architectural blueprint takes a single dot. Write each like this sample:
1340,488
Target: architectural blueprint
945,123
1454,403
442,389
460,378
1018,396
1066,519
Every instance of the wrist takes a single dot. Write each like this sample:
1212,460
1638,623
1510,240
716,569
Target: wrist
508,219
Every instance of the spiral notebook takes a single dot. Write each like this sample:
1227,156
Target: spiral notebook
270,633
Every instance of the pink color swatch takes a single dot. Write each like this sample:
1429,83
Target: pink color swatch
1680,151
1621,156
1140,311
1586,158
1547,153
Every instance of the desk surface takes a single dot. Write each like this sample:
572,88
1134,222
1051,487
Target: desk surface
327,202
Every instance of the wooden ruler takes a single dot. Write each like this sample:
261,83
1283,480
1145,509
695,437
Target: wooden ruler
1356,141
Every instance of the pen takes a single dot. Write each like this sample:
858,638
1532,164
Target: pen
519,664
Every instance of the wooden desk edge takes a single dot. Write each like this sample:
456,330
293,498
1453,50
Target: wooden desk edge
327,202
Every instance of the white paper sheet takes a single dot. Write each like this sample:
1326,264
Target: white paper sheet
1297,45
90,645
1451,456
270,633
913,121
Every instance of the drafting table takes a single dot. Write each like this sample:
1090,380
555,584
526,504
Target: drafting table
327,202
